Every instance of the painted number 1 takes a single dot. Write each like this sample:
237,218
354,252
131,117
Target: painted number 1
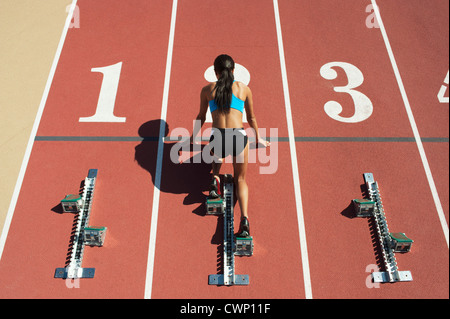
107,97
363,105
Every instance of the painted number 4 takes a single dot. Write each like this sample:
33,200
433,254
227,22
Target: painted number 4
363,105
441,95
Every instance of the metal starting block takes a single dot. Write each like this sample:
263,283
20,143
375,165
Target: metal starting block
390,243
215,206
94,236
82,234
364,207
72,203
400,243
244,246
231,246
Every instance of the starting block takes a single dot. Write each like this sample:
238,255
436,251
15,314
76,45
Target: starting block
215,206
390,243
72,203
364,207
243,246
239,246
82,234
400,243
94,236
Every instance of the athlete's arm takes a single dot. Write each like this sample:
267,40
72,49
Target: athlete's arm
201,117
251,118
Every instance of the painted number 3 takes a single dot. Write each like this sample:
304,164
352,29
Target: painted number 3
363,105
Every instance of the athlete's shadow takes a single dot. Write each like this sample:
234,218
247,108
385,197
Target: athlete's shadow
191,178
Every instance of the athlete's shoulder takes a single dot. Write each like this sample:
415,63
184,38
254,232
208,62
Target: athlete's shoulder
243,89
241,85
207,89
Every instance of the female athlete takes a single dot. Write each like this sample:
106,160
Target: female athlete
227,100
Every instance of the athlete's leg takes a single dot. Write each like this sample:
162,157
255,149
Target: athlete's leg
215,188
215,146
240,172
216,165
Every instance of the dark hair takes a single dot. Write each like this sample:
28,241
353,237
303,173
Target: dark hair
224,66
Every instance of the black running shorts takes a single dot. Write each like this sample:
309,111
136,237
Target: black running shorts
228,141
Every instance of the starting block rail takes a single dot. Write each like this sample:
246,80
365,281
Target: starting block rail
83,234
229,278
389,242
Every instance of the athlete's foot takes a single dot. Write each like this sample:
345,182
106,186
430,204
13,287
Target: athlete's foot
244,229
214,191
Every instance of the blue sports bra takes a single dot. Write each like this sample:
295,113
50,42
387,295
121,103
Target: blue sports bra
236,103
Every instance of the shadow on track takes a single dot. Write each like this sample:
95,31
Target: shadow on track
192,178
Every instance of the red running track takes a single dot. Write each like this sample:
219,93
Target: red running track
331,155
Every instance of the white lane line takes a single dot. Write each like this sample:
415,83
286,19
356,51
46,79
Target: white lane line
426,166
293,151
37,120
162,128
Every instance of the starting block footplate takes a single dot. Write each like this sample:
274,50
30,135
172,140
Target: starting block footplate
244,246
214,206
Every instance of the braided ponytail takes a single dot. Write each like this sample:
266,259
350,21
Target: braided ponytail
224,66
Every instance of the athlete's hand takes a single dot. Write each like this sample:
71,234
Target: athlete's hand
262,143
195,141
